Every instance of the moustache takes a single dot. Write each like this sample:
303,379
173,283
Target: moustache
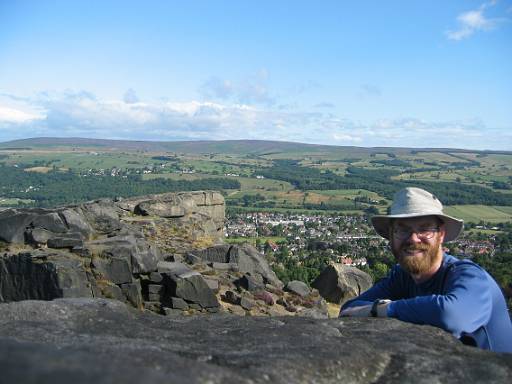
418,247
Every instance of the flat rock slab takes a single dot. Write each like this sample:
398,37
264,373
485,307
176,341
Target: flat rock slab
103,341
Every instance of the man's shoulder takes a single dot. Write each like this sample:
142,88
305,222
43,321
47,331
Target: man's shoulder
451,262
463,266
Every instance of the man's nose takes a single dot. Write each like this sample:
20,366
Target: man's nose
414,238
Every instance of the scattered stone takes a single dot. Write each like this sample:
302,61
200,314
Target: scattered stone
247,303
181,281
250,283
272,289
264,296
338,283
246,257
298,287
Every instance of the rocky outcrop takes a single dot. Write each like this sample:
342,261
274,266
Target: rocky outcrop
178,222
132,250
338,283
103,341
101,249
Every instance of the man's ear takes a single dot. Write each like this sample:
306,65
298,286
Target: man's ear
442,232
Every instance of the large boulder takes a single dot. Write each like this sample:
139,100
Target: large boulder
338,283
102,341
102,216
182,282
38,226
246,257
140,255
43,275
298,287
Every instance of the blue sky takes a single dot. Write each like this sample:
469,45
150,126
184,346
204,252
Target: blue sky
365,73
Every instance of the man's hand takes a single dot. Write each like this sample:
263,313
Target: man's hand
365,311
362,311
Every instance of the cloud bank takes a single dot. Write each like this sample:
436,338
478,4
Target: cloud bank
82,114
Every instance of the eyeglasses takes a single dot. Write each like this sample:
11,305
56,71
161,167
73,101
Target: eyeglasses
423,233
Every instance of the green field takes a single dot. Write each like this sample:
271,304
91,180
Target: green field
82,160
248,158
477,213
13,202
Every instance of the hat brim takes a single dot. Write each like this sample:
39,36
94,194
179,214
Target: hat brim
453,226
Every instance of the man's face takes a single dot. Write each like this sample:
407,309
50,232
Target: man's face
416,243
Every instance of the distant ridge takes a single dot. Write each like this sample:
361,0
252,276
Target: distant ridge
256,147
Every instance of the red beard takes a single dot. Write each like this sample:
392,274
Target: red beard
418,264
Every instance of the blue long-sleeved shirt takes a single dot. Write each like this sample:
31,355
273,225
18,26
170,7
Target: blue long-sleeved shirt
460,298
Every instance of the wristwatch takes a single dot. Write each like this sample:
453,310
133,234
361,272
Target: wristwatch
375,305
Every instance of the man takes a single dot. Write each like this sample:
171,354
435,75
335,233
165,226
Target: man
428,286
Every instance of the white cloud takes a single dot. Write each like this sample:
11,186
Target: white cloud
17,116
81,114
473,21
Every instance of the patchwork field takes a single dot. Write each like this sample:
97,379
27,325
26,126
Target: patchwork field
299,186
477,213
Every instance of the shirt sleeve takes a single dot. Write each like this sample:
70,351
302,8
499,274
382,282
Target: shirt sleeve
464,307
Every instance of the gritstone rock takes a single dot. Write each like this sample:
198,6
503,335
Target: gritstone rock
102,341
338,283
248,259
102,248
181,281
298,287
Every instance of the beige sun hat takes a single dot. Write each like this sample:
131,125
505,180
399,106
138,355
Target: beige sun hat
416,202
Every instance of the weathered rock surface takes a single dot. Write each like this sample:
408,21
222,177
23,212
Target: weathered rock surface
246,257
102,248
338,283
129,250
43,275
103,341
298,287
182,282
